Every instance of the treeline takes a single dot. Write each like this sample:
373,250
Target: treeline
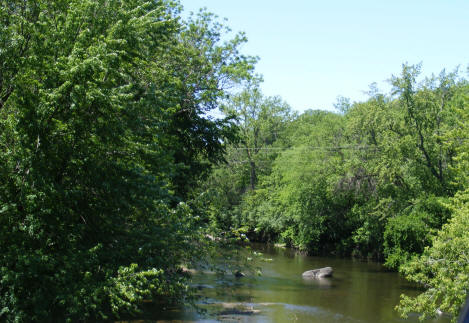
385,179
104,134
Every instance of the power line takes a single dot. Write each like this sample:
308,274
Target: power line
307,147
351,147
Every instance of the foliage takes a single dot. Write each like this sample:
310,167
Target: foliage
102,112
261,122
294,203
371,181
408,233
206,69
407,161
374,181
443,268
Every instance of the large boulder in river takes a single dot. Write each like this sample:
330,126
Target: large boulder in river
318,273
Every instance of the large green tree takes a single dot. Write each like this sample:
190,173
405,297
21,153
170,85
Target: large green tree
261,122
407,159
205,70
443,268
294,203
102,108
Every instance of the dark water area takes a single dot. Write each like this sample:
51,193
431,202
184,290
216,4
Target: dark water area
357,292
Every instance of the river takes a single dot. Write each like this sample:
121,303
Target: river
358,292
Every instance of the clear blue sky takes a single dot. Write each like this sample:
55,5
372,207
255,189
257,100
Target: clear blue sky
313,51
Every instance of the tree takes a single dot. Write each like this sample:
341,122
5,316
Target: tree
408,161
298,202
442,268
206,70
92,216
261,121
427,116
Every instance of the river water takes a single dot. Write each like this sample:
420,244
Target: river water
357,292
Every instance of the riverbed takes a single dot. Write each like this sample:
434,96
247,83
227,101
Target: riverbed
358,292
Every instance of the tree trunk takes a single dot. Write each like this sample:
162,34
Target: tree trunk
253,174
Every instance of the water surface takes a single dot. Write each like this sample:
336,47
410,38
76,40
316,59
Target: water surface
358,292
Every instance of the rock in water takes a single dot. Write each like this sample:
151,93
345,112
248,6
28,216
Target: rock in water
238,274
318,273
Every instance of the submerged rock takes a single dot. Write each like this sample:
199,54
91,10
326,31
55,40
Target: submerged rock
318,273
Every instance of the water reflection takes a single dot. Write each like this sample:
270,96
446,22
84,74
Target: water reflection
319,283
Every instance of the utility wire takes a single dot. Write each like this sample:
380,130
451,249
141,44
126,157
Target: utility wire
307,147
325,147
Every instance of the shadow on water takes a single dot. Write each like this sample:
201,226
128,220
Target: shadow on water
357,292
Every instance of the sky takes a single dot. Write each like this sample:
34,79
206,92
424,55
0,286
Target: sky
313,51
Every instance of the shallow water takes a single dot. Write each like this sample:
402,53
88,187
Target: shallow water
357,292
